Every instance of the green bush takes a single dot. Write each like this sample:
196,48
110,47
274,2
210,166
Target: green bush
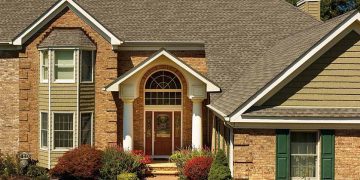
37,172
9,166
115,161
182,156
127,176
219,169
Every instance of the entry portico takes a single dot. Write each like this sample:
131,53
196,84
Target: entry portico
163,104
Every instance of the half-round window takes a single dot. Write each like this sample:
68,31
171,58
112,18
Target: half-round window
163,88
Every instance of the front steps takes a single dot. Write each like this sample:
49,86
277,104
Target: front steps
162,170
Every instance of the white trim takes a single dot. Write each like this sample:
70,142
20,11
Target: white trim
279,120
92,126
62,149
75,59
210,86
220,114
50,53
44,81
231,154
295,66
51,13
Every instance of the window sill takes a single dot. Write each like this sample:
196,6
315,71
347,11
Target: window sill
86,82
62,149
44,81
64,81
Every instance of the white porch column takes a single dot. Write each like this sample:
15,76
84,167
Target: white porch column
197,135
128,143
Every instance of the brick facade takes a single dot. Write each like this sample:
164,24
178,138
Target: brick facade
9,105
347,154
254,154
105,72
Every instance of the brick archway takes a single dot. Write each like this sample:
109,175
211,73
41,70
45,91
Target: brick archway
139,108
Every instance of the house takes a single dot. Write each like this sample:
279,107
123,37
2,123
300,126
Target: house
268,82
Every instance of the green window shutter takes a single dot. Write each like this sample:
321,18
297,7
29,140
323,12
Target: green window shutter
327,154
282,154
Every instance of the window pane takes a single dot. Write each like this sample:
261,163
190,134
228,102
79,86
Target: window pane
64,64
86,128
44,129
45,65
303,154
87,66
63,130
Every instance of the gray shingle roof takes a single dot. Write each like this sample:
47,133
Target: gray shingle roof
67,38
302,112
237,33
272,63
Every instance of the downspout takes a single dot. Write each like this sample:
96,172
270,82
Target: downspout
49,109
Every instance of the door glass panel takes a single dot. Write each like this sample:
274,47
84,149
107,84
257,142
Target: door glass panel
177,130
163,126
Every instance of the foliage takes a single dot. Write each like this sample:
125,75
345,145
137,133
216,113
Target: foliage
83,162
219,169
9,166
182,156
127,176
37,172
198,168
333,8
115,161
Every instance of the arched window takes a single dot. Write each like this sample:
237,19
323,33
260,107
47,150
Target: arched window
163,88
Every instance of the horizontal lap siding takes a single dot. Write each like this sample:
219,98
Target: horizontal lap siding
331,81
87,97
43,158
63,97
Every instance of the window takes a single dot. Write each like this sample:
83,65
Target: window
163,88
64,65
86,128
87,66
44,70
63,130
44,129
303,161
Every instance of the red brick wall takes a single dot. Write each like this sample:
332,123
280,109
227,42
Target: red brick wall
9,102
347,154
105,72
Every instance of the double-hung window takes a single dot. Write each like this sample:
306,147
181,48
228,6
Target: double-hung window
304,155
64,66
44,69
63,130
86,128
44,129
87,65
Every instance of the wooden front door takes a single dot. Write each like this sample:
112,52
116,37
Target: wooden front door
163,133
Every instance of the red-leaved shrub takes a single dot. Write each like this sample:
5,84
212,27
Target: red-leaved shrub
83,162
198,168
145,159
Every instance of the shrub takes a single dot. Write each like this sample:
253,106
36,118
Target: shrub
182,156
35,171
219,169
198,168
115,161
127,176
9,166
83,162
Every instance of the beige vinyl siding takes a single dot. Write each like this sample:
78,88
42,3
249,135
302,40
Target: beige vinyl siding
55,157
63,97
43,158
331,81
43,97
312,8
87,97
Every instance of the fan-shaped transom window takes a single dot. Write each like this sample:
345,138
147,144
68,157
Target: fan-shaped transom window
163,88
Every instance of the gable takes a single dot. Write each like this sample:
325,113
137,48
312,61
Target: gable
333,80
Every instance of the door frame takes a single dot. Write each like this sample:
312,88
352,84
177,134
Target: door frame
163,109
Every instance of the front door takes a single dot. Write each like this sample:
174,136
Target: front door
162,133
